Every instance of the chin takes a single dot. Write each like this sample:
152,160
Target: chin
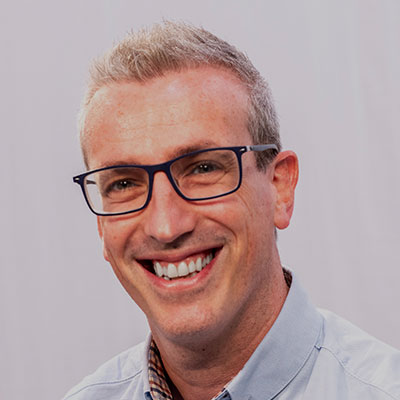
188,328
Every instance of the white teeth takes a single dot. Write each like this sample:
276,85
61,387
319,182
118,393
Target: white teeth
199,264
192,267
183,269
171,271
158,269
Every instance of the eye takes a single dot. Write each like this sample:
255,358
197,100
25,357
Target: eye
119,189
205,167
120,186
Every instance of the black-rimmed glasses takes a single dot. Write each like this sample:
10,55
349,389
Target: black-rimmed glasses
199,175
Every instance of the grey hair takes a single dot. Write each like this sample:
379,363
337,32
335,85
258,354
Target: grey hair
177,46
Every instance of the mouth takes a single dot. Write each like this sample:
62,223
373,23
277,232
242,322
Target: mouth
185,268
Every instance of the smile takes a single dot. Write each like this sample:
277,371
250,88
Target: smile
190,267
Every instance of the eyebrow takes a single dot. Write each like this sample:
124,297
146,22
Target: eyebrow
182,150
177,152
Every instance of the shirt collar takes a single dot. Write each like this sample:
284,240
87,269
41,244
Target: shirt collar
158,384
282,352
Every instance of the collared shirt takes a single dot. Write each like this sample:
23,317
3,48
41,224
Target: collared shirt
308,354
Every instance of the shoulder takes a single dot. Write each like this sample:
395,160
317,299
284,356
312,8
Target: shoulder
112,379
364,361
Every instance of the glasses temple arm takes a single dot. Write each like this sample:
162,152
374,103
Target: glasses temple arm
262,147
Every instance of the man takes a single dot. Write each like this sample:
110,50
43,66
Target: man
185,173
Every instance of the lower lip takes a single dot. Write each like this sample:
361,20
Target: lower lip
181,284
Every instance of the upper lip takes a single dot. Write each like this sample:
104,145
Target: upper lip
173,256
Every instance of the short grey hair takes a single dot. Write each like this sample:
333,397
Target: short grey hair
176,46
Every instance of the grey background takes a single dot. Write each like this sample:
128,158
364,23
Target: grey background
333,67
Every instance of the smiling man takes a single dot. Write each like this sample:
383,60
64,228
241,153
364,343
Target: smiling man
189,183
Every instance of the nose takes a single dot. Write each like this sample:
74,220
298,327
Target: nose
168,216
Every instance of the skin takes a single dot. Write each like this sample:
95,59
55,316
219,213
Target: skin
207,326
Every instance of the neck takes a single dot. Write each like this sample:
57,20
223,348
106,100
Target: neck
199,369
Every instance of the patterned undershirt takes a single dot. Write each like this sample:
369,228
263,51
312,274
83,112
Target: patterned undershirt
159,388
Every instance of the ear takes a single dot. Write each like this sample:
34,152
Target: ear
100,230
285,176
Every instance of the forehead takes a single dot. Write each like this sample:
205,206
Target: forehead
204,105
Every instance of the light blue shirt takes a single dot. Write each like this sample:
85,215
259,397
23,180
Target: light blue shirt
308,354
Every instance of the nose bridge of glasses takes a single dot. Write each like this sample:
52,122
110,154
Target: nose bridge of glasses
162,171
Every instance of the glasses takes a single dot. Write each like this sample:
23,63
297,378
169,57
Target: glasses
199,175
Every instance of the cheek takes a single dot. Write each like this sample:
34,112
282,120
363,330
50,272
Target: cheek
257,203
226,213
258,218
115,235
249,209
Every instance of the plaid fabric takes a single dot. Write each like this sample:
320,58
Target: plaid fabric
159,388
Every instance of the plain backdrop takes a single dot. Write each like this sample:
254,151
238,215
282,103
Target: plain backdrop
333,67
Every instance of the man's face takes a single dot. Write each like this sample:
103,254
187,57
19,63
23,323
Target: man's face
151,123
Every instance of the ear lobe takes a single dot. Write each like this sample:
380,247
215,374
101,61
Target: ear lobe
100,230
285,176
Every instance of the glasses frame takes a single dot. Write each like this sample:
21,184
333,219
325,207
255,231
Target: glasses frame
166,168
